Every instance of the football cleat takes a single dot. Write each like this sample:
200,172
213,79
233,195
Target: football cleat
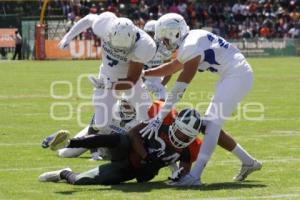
53,176
185,181
48,139
246,170
61,140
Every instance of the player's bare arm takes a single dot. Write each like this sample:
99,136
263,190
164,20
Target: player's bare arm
189,70
133,75
166,69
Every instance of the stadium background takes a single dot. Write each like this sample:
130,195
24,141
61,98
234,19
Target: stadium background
267,32
257,27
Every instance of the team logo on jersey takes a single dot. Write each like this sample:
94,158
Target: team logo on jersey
117,54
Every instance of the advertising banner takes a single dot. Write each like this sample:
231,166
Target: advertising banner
266,47
7,37
78,49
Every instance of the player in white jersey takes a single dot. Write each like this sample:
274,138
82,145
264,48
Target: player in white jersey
200,50
124,120
156,85
125,49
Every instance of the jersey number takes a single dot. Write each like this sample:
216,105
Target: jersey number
222,42
112,61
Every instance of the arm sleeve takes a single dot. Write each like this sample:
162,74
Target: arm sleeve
81,25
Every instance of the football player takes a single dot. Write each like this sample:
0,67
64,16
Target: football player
200,50
134,157
156,85
125,49
121,123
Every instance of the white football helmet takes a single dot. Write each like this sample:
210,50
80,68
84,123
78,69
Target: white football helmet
126,110
122,34
171,28
188,123
150,26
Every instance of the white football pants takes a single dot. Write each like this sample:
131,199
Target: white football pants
104,100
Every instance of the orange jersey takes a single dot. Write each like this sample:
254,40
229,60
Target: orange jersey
190,152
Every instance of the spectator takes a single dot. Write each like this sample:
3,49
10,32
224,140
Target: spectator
225,17
265,31
293,32
18,47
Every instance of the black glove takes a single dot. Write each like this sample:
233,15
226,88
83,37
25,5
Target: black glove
154,157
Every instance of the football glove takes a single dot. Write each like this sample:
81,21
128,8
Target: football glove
175,176
151,128
64,44
100,83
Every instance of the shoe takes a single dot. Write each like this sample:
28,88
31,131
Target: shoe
53,176
48,139
246,170
186,181
96,157
61,140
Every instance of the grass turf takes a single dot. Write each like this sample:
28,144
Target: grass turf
25,116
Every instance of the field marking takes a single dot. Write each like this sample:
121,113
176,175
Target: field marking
224,162
285,132
24,96
19,144
275,196
278,160
38,168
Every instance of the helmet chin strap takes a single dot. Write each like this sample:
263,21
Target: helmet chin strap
181,39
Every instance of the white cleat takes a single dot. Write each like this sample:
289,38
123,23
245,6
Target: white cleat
53,176
96,156
246,170
60,141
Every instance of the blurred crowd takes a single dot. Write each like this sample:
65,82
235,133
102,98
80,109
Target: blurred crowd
230,19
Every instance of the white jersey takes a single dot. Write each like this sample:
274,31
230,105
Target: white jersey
217,55
118,126
161,56
115,62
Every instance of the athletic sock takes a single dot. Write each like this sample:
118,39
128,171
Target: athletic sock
243,155
208,146
69,176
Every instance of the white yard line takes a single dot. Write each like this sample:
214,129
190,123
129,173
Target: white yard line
285,132
36,168
24,96
275,196
19,144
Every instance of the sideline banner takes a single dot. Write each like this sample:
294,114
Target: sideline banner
78,49
7,37
266,47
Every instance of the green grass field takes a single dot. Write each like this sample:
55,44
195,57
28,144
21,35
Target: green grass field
25,119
